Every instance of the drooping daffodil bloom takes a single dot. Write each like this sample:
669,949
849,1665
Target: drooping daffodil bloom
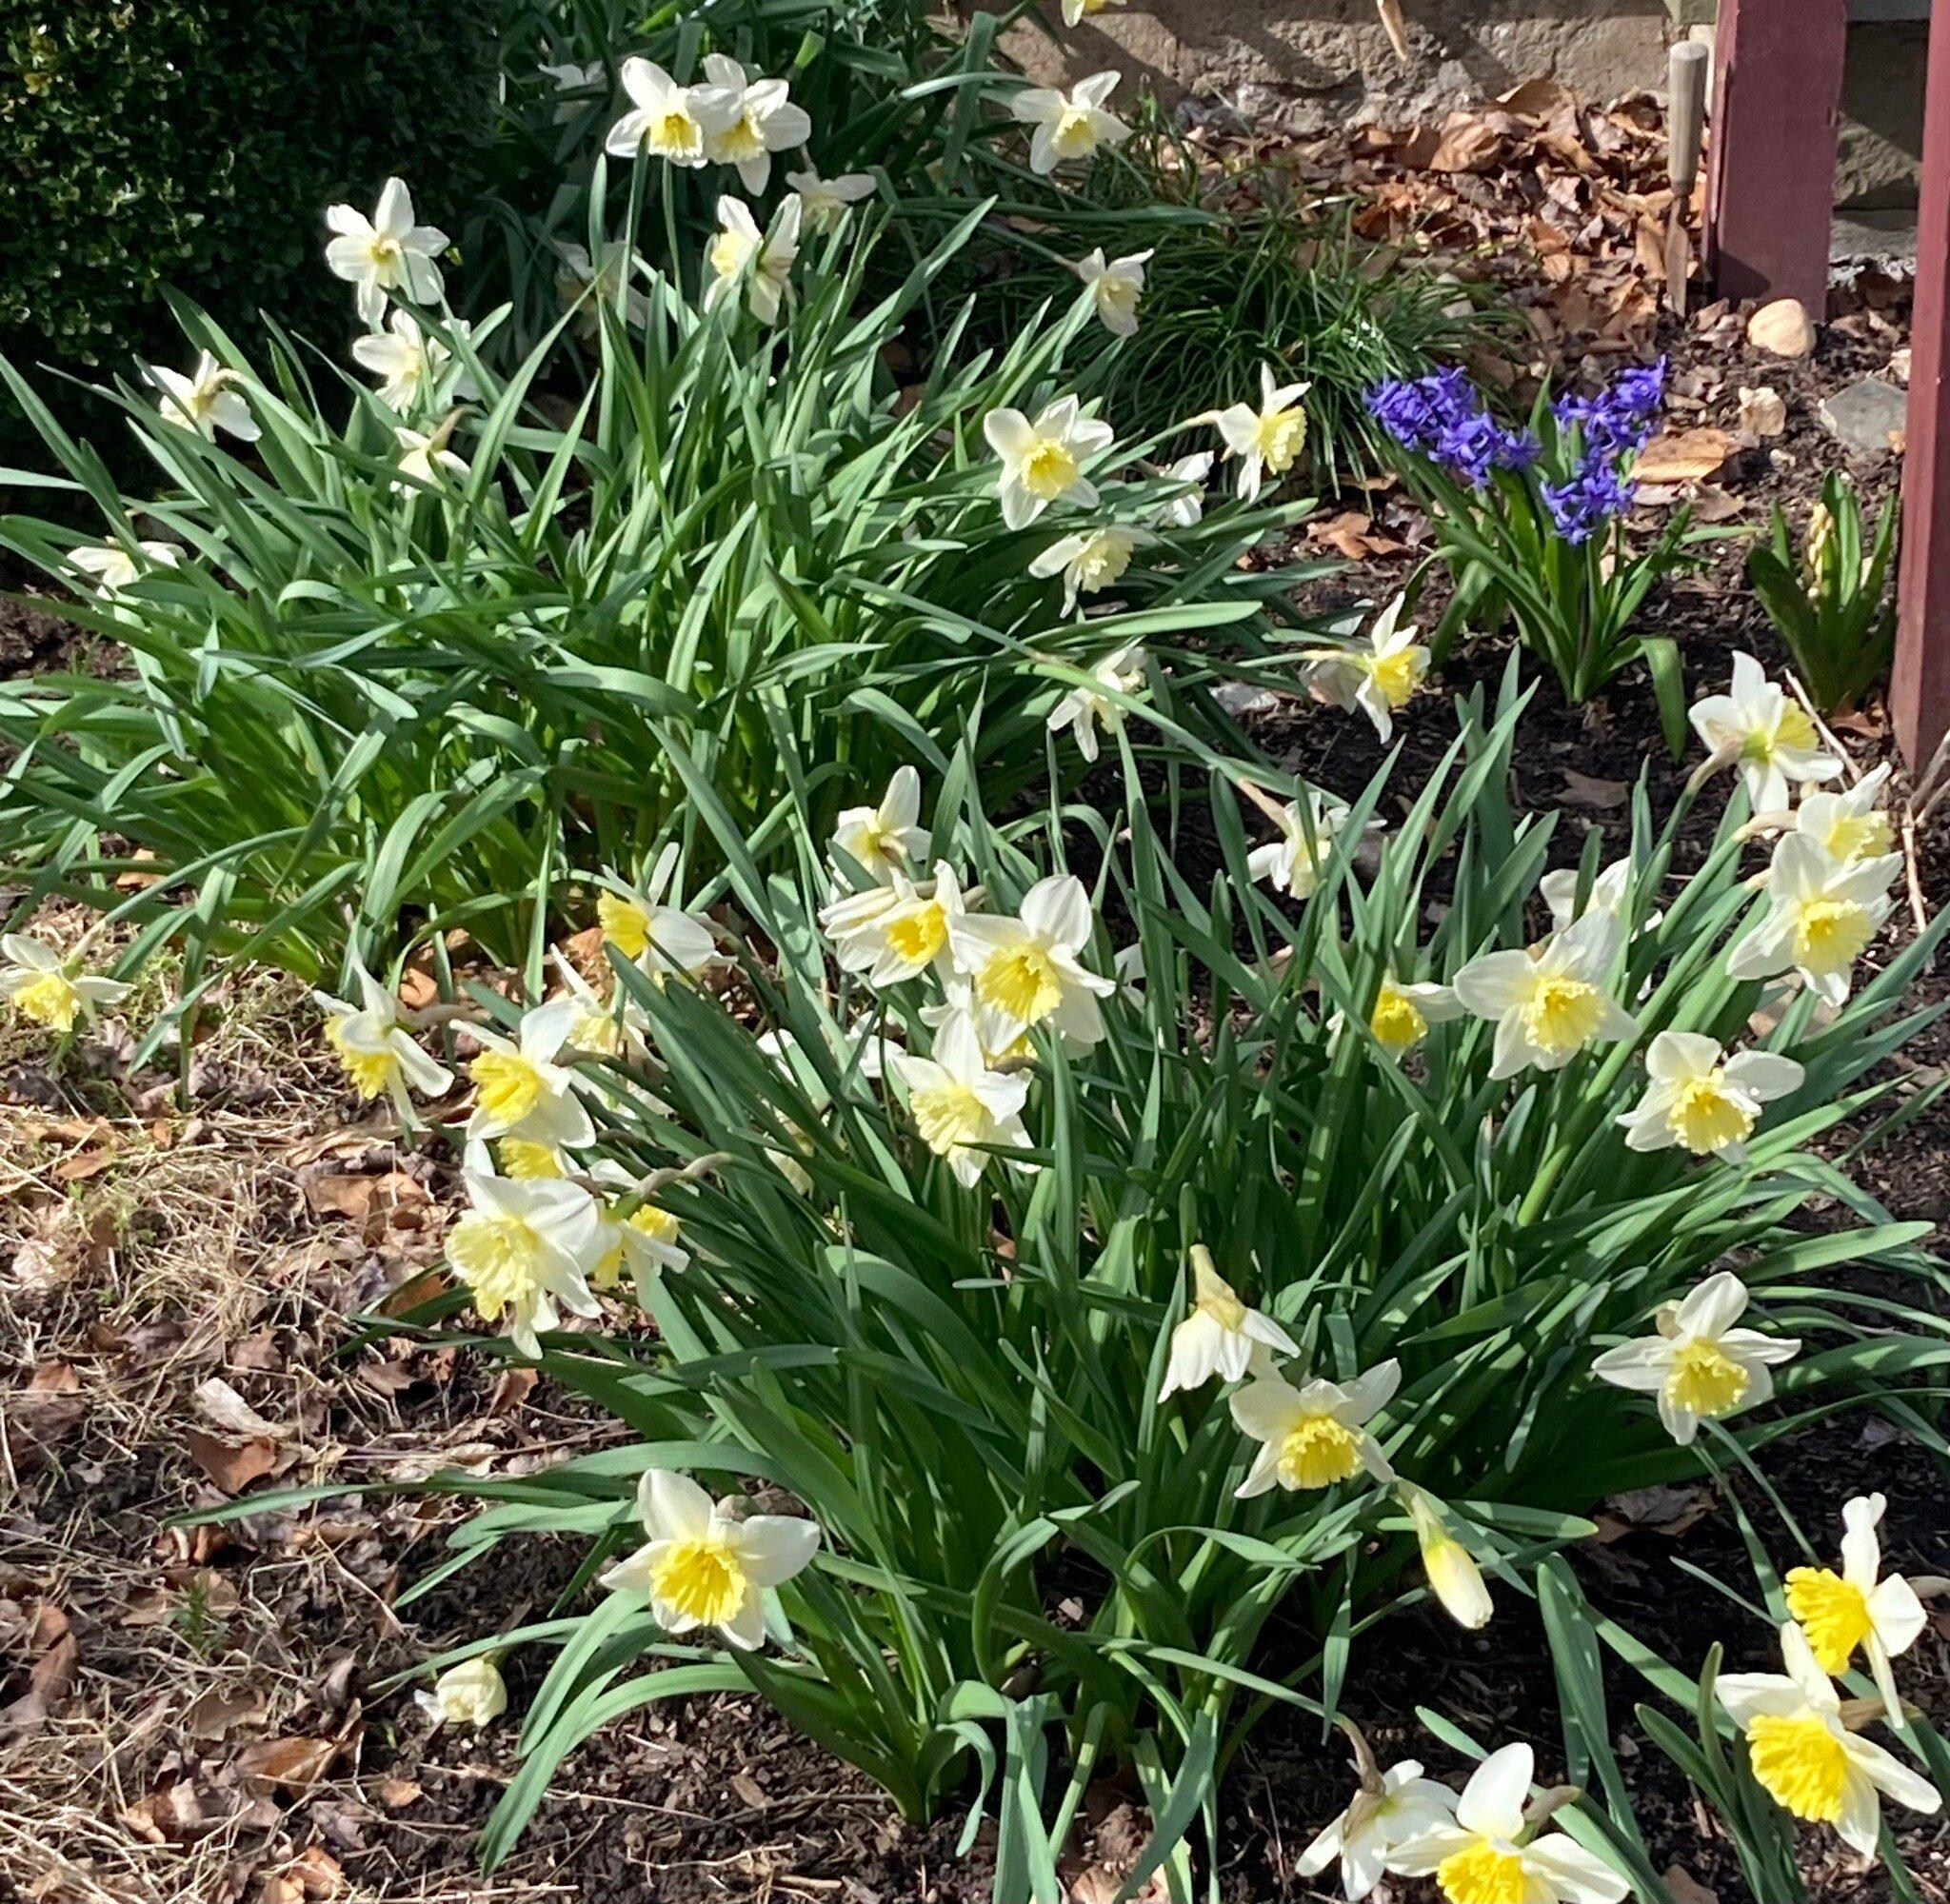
611,1027
1549,1002
1403,1014
1767,733
1219,1335
408,360
1043,461
766,121
959,1105
1316,1434
1804,1755
663,942
1857,1609
1268,440
1028,971
889,934
1376,675
1308,828
640,1240
1088,705
1849,826
668,121
1609,891
1703,1101
1090,561
885,839
1387,1809
524,1249
592,286
471,1694
425,458
116,567
378,1052
51,988
521,1090
741,257
1188,510
1490,1852
1453,1575
705,1565
569,77
207,400
385,255
823,203
1822,915
1700,1366
1114,288
1068,125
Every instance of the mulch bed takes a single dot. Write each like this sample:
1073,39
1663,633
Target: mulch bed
200,1722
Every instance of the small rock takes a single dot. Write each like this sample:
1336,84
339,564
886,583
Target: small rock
1867,418
1898,365
1782,328
1763,412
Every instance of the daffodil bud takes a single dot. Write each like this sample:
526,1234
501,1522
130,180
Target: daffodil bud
472,1693
1453,1575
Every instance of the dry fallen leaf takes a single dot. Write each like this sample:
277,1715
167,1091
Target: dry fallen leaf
294,1763
1351,534
1683,456
218,1711
358,1197
1686,1888
1602,796
228,1411
232,1465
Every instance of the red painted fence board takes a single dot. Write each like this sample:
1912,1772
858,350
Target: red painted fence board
1921,693
1777,105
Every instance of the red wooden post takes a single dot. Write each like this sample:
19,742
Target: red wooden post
1777,108
1920,695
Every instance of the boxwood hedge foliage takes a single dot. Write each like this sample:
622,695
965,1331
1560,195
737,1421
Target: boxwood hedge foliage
196,143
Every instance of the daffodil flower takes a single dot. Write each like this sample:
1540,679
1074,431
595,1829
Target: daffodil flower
1316,1434
663,942
1082,709
524,1249
1188,510
1703,1101
1849,826
1402,1014
1075,11
703,1565
1218,1336
1070,125
1700,1366
1823,916
521,1091
1453,1575
1549,1002
378,1052
823,203
959,1105
1026,971
611,1027
766,121
1089,561
1766,732
1114,289
1857,1609
50,988
1308,828
1269,439
1378,675
1387,1809
207,400
741,257
424,459
1807,1759
408,360
569,77
889,934
1491,1852
115,567
884,840
668,121
588,286
1043,461
641,1241
1609,892
386,254
471,1694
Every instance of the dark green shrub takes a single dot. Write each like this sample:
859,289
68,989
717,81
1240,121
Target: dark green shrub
195,143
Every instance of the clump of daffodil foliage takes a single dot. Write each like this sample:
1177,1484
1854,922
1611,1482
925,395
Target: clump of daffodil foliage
1057,1305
